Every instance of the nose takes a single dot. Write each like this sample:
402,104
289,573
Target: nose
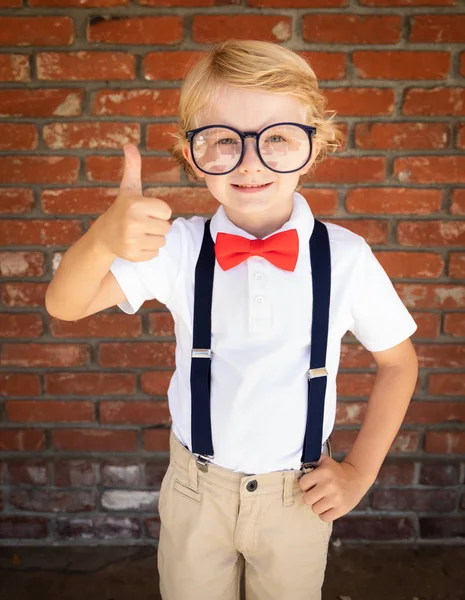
250,160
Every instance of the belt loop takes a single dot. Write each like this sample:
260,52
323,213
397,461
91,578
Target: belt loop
193,474
288,496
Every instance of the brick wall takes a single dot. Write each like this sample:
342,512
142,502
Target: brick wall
83,411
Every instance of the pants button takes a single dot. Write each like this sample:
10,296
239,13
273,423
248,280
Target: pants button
252,485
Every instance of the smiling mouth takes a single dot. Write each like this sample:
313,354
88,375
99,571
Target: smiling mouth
251,186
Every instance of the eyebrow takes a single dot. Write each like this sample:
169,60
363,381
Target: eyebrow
271,122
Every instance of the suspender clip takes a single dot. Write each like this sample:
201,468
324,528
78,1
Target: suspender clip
202,463
201,353
319,372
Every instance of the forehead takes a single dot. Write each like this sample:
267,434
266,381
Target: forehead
249,110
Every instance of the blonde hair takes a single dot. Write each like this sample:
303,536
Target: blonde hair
261,66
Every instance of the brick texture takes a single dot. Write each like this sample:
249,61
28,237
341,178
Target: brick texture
84,420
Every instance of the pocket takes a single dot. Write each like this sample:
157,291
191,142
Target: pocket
187,491
164,487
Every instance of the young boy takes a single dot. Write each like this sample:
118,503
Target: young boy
258,294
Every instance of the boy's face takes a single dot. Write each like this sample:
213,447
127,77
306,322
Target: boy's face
249,110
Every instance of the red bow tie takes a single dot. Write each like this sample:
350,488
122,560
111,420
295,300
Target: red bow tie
281,249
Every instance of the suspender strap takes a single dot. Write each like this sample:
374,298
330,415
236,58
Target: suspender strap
201,354
201,433
317,375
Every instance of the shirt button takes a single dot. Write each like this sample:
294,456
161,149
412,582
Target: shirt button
252,485
259,299
259,277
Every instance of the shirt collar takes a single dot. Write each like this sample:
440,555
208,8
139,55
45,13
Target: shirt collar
301,219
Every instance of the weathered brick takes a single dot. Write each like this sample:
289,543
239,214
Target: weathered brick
22,527
373,528
44,500
439,474
417,500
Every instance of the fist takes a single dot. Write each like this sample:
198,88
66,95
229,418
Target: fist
134,227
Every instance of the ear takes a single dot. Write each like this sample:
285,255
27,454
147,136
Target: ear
315,151
186,152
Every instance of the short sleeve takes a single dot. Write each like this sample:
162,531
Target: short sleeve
153,278
380,320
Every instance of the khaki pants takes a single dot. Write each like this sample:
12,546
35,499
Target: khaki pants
215,523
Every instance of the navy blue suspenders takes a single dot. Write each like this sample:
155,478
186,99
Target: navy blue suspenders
317,375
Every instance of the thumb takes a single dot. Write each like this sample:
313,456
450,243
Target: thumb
132,178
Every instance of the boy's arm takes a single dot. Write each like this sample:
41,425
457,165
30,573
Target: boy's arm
394,384
333,489
83,284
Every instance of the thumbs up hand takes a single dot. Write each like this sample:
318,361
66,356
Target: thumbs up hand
134,227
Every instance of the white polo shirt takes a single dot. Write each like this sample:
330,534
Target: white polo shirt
261,330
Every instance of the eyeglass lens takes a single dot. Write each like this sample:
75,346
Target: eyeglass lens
282,148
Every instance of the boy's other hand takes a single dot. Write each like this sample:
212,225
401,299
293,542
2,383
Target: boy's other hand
134,227
333,489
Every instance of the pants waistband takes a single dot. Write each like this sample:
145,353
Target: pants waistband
235,481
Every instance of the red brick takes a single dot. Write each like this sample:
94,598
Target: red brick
135,30
11,3
53,500
38,411
411,264
45,355
441,356
78,3
81,200
19,384
98,325
136,102
434,101
445,442
461,136
402,136
351,170
373,528
36,31
155,169
22,264
24,294
40,232
424,413
418,500
25,440
351,29
39,169
19,200
401,64
154,473
454,324
98,528
215,28
152,527
360,102
90,135
18,136
457,265
94,440
439,474
437,29
90,384
369,200
429,324
458,202
150,412
431,233
169,66
155,383
123,473
436,527
321,201
28,471
19,527
156,440
20,325
161,323
136,354
85,65
45,102
158,136
350,413
396,474
408,2
327,65
405,441
416,295
430,169
447,384
296,3
75,472
374,232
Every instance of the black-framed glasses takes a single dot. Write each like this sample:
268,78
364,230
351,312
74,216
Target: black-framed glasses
282,147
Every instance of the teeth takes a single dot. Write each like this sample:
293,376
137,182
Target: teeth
251,185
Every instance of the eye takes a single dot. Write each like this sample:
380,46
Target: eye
227,141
